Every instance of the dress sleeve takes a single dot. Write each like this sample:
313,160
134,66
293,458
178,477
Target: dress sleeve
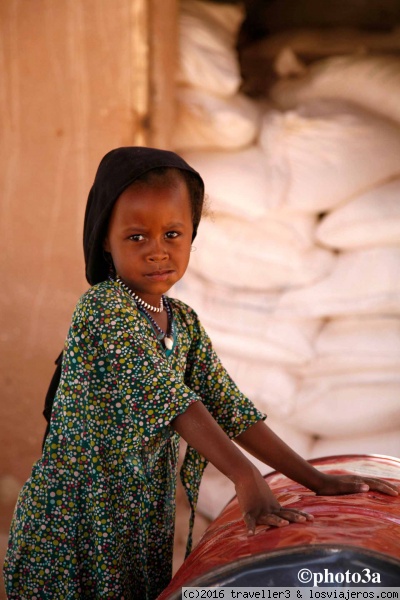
208,378
126,365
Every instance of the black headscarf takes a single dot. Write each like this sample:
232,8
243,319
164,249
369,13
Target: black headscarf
118,170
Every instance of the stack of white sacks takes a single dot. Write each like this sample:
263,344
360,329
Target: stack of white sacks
296,273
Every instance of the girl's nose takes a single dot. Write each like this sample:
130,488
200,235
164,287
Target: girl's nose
158,252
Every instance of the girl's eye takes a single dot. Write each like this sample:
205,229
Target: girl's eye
172,234
137,237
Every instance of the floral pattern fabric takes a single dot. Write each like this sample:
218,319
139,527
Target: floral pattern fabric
96,518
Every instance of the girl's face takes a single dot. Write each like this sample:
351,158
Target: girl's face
149,237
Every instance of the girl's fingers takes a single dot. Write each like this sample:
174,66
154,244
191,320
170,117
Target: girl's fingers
250,523
380,485
354,484
271,519
274,520
358,484
279,519
296,516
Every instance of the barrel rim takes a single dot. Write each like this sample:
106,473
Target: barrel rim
323,550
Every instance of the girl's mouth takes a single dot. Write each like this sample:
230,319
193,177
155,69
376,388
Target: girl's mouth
159,275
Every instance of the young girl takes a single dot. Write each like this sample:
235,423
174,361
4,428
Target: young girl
96,518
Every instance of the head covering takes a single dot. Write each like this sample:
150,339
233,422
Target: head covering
117,171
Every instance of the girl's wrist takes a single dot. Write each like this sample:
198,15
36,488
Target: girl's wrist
308,476
247,476
317,481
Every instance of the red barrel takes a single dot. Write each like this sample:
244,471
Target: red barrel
357,533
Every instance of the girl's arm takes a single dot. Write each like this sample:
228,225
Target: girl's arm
260,441
258,504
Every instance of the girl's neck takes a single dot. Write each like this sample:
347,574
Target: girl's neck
153,308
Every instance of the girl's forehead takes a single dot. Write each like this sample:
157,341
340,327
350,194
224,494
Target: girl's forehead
144,200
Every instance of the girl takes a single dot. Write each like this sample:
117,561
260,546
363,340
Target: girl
96,518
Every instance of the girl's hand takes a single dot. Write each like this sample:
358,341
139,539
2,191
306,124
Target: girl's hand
260,507
332,485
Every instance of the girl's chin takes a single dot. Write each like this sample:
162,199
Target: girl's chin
153,284
154,290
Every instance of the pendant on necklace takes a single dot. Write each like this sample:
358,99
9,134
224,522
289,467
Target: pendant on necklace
168,342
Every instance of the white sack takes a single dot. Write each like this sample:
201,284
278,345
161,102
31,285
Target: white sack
208,121
339,407
279,227
320,382
372,219
372,82
272,388
362,282
207,38
386,443
290,227
216,490
236,182
280,343
357,344
257,255
243,324
326,152
223,15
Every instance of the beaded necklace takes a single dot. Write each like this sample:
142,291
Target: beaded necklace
139,301
168,336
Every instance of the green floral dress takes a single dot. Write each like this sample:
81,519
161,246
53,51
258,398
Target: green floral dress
96,518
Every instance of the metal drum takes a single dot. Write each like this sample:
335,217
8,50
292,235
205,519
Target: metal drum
357,533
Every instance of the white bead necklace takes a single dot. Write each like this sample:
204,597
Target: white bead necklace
138,300
166,337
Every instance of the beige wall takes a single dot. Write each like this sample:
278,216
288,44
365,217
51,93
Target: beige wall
75,80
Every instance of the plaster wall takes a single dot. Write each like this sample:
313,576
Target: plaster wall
73,86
